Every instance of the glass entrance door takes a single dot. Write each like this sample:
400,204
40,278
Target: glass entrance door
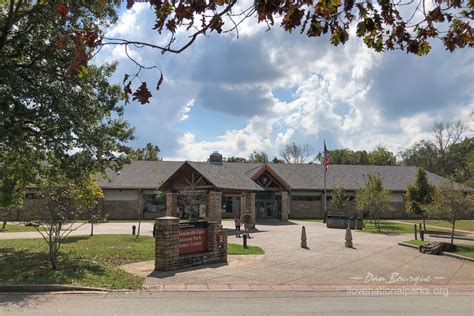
267,206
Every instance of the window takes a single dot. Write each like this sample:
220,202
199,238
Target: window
227,204
154,203
306,198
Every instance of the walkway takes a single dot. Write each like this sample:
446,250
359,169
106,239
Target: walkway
375,260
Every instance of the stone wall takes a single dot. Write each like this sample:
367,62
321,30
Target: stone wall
167,256
306,209
314,209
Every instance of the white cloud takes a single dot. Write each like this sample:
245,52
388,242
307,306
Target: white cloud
344,94
184,113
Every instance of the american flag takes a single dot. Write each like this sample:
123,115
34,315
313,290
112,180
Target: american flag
326,157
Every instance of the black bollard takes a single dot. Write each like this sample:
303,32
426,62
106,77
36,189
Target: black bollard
416,235
422,235
134,228
245,240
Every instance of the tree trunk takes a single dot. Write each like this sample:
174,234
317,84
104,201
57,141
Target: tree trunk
139,224
53,256
92,229
4,224
424,224
452,232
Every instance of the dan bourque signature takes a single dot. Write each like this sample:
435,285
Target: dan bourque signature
396,278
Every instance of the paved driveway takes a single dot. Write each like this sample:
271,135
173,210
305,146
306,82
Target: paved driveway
376,259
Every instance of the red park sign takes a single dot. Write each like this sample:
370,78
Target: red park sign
192,240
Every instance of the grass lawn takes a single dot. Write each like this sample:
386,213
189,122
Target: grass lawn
460,224
235,249
86,261
388,228
12,228
466,250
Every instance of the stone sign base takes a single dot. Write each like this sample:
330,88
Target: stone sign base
196,247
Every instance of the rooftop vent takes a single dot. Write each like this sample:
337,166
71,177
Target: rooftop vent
215,158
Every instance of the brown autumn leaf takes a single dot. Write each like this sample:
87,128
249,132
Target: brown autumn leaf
142,94
160,81
61,10
125,78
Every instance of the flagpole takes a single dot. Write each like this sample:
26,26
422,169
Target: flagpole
325,197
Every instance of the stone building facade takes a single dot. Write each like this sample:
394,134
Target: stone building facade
214,190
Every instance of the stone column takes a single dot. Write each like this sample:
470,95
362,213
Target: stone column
166,243
214,206
243,204
171,204
284,206
212,242
251,207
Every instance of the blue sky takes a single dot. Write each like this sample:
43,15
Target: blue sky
265,89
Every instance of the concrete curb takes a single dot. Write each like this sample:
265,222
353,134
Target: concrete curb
407,245
181,287
449,254
50,288
458,256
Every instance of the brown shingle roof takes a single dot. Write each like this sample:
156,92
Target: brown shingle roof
352,177
151,174
227,175
141,175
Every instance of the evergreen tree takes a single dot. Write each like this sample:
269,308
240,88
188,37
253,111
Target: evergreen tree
418,195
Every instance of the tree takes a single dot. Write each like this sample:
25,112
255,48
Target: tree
260,157
382,27
149,152
446,153
276,160
90,196
235,159
346,156
419,195
380,156
66,201
55,111
373,198
10,195
450,205
445,136
52,102
338,198
422,154
294,153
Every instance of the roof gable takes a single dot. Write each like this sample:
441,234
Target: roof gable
241,176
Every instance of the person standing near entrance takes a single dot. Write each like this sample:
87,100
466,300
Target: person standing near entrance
237,222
